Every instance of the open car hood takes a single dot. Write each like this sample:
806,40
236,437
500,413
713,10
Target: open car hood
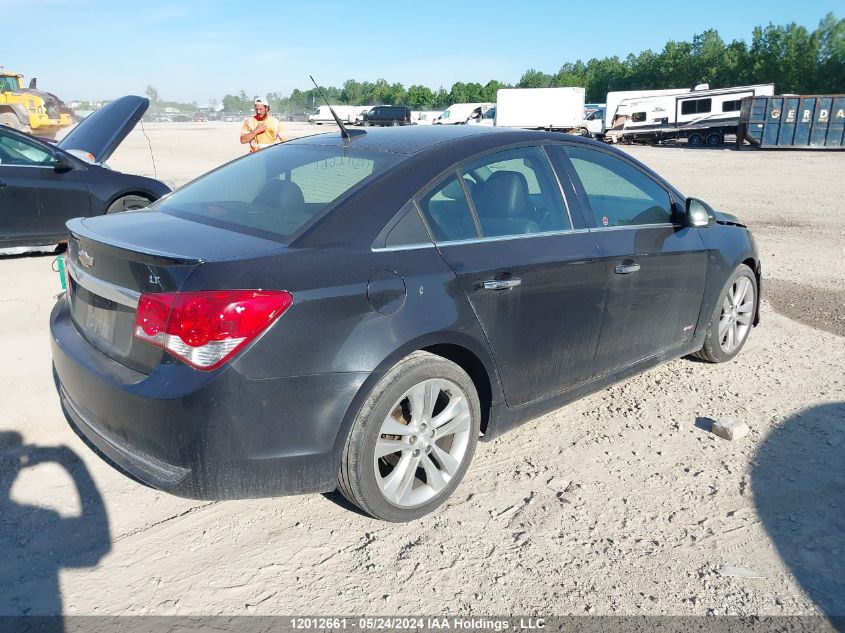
101,132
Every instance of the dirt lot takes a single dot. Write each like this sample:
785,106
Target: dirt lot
647,504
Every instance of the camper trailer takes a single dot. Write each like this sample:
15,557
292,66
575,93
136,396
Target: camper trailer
540,108
598,127
701,115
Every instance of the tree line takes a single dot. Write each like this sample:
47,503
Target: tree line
791,57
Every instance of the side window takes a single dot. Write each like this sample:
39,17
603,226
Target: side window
732,106
515,192
619,194
638,117
409,231
695,106
447,211
15,151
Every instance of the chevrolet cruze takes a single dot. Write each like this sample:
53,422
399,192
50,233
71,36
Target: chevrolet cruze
355,313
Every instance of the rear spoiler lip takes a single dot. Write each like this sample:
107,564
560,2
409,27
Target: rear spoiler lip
78,230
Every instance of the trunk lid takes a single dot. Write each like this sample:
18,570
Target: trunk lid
111,261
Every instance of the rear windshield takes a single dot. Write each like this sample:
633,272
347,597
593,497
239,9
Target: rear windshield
278,191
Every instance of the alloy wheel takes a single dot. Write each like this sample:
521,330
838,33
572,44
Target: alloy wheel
422,442
737,315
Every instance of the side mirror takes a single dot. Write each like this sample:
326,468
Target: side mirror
62,164
699,214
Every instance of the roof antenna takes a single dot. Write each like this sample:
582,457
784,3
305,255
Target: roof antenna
344,133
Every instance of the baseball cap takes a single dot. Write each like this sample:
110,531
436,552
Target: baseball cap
260,101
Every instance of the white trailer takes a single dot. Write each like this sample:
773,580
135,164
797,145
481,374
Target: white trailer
460,113
540,108
614,99
701,115
322,114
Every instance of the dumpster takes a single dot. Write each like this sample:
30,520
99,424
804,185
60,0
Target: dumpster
793,121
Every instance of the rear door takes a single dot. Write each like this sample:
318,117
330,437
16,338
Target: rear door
656,267
529,268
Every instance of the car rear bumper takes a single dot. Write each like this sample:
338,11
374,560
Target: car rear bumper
203,435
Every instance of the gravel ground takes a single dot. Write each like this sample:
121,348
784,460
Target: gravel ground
622,503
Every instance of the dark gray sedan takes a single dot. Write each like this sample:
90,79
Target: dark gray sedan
43,185
355,313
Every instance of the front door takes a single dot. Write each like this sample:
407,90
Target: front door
35,200
655,266
532,273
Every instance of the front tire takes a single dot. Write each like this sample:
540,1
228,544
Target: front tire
128,203
10,120
412,440
733,318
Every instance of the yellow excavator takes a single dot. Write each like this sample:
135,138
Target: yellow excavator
31,110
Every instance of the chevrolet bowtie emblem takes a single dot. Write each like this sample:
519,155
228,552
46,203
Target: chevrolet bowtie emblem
85,259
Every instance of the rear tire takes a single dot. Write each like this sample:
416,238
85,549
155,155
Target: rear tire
695,140
128,203
732,319
714,139
412,440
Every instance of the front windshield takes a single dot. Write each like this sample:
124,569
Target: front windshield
490,114
276,192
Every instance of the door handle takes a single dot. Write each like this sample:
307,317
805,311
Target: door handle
626,269
500,284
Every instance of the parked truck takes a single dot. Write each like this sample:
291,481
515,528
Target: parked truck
540,108
702,116
462,113
29,109
793,122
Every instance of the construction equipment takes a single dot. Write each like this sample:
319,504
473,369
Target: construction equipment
31,110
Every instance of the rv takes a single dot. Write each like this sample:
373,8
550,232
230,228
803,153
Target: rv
322,114
460,113
598,127
540,108
701,115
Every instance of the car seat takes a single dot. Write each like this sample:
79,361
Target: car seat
281,194
503,205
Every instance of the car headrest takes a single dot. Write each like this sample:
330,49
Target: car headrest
281,193
503,195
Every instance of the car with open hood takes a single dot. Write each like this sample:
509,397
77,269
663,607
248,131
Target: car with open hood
356,311
43,185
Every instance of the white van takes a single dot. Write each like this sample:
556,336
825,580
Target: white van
460,113
424,117
323,114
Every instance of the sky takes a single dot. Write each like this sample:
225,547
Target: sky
200,51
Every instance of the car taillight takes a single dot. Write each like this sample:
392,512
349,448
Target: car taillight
206,328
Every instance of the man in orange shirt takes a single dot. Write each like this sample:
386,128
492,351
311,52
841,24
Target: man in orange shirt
261,130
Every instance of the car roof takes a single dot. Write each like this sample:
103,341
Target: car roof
414,139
